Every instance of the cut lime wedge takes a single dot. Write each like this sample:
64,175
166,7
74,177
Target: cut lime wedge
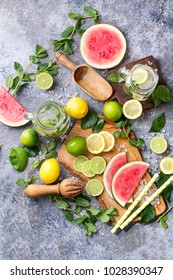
98,165
94,187
158,144
78,162
86,169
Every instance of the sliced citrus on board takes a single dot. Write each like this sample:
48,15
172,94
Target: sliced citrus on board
44,81
166,165
95,143
132,109
109,140
140,76
94,187
78,162
98,165
86,169
158,144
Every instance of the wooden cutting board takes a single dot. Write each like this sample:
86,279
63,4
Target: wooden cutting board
133,154
118,89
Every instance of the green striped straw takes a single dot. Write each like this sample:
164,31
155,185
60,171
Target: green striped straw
135,202
145,204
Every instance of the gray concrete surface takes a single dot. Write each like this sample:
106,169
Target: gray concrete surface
36,229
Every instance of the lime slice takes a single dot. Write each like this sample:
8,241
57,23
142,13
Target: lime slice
140,76
86,169
78,162
44,81
166,165
158,144
109,140
132,109
94,187
98,165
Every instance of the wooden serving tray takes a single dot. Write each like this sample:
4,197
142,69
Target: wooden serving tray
118,90
133,154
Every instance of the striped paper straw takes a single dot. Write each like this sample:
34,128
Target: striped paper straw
145,204
135,202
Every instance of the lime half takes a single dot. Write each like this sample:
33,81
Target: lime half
166,165
140,76
78,162
158,144
86,169
44,81
98,165
94,187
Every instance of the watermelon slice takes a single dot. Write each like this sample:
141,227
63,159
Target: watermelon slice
114,164
103,46
126,180
11,112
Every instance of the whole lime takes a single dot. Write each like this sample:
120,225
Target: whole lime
112,111
29,137
76,145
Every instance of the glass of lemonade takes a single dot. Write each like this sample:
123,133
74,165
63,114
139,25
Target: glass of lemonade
50,119
140,81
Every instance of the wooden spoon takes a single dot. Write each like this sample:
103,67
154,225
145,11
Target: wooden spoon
67,188
88,79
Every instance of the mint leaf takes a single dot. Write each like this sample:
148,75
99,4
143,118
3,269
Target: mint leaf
166,194
32,179
116,77
161,94
99,125
75,16
148,214
19,69
94,210
68,215
163,221
158,123
80,220
89,120
90,11
9,82
62,204
34,59
40,52
82,201
21,183
67,32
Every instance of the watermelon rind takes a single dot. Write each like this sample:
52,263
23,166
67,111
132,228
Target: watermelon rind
119,185
11,111
113,61
111,164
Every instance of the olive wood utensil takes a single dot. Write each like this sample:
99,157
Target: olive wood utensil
67,188
88,79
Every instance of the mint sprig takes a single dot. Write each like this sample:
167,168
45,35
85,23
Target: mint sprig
65,43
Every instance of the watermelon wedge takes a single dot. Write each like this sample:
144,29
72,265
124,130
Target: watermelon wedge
11,112
126,180
114,164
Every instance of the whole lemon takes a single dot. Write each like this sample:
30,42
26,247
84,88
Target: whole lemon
77,107
49,171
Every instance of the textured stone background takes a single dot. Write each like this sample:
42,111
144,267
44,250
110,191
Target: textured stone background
36,229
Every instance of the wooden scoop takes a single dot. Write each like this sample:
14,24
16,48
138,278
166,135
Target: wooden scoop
88,79
67,188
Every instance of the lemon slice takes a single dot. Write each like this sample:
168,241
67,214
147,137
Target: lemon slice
98,165
158,144
140,76
109,140
94,187
78,162
95,143
86,169
44,81
166,165
132,109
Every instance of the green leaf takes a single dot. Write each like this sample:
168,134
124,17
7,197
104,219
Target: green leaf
158,123
91,227
9,82
78,209
43,149
40,52
15,82
163,221
80,220
103,217
75,16
85,197
92,219
50,68
82,201
137,142
67,48
166,194
96,19
89,120
68,215
120,134
99,125
148,214
111,211
36,163
90,11
19,69
62,204
18,158
116,77
94,210
122,123
51,154
67,32
32,179
31,151
78,29
161,94
34,59
21,183
51,145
